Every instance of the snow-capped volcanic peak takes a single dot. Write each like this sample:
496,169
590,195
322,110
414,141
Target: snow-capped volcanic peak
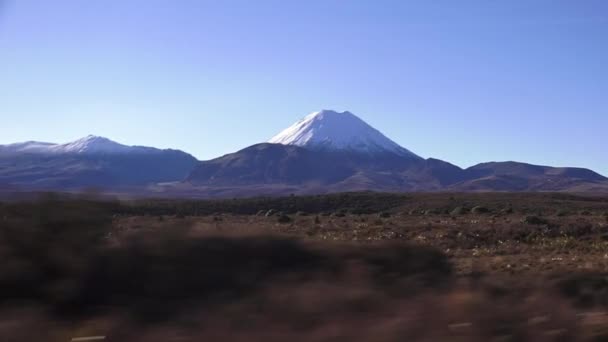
91,144
333,130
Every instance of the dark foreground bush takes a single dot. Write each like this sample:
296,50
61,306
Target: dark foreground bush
159,275
63,256
46,245
586,289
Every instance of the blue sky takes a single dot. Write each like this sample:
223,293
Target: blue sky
464,81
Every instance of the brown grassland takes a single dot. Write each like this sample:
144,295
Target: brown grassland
356,267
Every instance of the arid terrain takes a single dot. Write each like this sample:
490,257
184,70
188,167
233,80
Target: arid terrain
355,266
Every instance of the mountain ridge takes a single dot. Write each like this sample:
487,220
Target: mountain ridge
326,151
319,154
90,144
91,161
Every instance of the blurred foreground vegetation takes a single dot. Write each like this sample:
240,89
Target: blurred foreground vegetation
69,269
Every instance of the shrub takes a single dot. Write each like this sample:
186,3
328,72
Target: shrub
44,243
339,213
508,210
459,211
56,255
534,220
586,289
284,219
480,210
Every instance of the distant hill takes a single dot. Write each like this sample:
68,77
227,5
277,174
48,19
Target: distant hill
89,162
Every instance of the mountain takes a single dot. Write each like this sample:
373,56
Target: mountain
515,176
26,147
334,131
89,162
329,151
326,151
90,144
287,164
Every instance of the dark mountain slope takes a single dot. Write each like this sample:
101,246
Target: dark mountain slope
514,176
77,170
273,164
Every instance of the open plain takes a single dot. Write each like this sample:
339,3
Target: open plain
354,266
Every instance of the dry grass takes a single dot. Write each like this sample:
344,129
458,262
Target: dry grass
411,271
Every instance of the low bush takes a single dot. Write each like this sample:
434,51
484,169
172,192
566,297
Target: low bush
284,219
459,211
534,220
59,254
586,289
384,215
480,210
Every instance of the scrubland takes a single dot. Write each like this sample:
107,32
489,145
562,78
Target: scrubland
357,267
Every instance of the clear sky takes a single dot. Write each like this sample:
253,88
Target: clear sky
464,81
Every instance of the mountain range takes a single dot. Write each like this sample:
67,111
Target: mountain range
326,151
89,162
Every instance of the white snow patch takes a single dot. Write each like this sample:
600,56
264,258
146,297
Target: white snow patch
328,129
90,144
27,147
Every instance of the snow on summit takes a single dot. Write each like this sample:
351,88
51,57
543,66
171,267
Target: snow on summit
26,147
333,130
90,144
